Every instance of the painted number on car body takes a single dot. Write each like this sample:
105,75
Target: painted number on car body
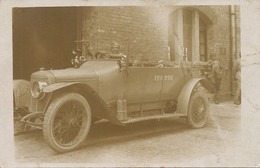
163,77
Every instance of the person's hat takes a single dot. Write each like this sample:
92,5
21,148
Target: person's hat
115,44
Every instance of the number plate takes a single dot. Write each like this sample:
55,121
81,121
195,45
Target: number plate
163,77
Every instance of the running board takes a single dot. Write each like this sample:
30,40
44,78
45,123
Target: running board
161,116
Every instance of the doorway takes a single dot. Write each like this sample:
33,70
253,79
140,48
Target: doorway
42,37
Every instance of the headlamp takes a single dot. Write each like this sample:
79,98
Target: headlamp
37,89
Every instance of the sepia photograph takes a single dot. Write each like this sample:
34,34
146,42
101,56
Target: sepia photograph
119,85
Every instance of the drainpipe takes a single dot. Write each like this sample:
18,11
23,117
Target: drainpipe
232,43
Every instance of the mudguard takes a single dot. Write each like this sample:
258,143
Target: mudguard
184,97
21,93
56,86
101,110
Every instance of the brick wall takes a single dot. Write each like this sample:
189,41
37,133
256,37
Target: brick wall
147,30
221,31
219,37
145,27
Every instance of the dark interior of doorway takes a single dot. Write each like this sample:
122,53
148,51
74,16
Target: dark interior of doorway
42,37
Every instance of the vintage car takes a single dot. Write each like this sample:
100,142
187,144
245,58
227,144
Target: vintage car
64,103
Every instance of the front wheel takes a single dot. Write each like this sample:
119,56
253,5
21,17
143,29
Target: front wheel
198,112
19,126
67,122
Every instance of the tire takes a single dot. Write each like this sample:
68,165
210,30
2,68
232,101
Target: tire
198,111
67,122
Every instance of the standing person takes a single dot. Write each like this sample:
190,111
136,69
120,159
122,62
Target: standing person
215,76
237,73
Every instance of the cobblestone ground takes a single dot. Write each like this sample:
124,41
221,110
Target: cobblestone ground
167,142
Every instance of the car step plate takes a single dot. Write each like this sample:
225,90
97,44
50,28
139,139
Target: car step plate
132,120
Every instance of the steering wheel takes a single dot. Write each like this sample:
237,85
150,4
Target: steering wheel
160,64
82,58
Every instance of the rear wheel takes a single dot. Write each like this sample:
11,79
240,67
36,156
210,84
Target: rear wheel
67,122
198,112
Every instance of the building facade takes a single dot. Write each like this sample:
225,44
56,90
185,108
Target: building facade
45,37
166,33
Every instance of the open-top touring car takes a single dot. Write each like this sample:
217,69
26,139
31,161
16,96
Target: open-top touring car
64,103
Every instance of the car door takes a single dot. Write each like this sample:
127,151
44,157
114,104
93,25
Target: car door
173,82
134,85
142,87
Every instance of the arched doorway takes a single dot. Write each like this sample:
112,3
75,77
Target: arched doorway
187,33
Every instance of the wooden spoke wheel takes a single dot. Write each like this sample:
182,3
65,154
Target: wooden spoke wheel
198,112
67,122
